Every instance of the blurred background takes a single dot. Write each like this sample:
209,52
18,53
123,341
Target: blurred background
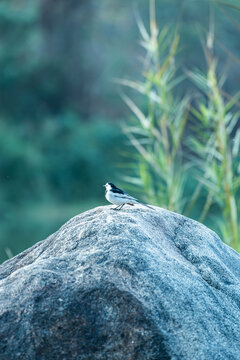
61,110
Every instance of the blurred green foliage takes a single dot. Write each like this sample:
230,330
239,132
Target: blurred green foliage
43,172
60,110
188,163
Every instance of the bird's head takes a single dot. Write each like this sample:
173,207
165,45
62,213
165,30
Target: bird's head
109,186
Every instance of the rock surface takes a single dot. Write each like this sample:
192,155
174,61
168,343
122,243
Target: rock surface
134,284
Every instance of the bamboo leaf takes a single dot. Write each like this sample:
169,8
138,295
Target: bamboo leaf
139,87
230,54
228,5
139,114
229,17
236,144
142,28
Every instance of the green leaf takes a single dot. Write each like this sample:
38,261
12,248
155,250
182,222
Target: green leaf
233,6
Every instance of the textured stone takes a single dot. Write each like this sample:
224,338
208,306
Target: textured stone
134,284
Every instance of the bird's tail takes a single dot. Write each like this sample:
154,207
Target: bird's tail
148,206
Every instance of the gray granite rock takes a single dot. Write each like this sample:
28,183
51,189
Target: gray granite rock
134,284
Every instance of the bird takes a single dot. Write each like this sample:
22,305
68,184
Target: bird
118,197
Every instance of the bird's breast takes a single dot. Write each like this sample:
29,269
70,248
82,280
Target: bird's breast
115,199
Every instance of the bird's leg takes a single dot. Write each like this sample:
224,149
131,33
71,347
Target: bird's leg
116,208
121,206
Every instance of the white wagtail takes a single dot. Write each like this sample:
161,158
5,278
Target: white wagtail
118,197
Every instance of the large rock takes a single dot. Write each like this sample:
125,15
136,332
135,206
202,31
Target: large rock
133,284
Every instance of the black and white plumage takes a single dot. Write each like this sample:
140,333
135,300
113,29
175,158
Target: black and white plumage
118,197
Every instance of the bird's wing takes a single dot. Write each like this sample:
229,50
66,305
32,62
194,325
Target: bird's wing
137,201
130,197
127,196
117,191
